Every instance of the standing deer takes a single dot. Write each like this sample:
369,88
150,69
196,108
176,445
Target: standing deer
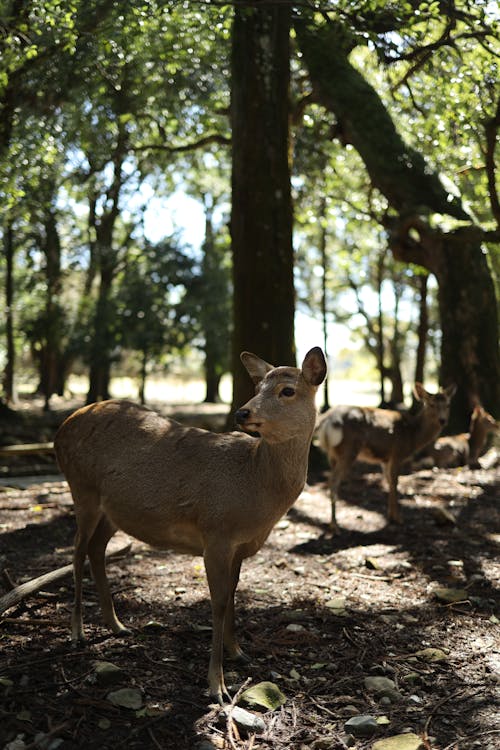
380,436
190,490
459,450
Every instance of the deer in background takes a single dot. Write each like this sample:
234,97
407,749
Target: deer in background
464,449
190,490
380,436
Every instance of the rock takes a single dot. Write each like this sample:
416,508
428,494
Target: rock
245,720
264,694
443,516
431,654
126,698
408,741
450,596
350,710
411,677
348,739
336,605
295,627
382,686
361,726
107,673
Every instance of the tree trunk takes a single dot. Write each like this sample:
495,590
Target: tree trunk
422,329
100,356
9,371
467,302
261,218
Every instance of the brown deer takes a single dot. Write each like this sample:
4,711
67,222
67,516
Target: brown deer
464,449
380,436
190,490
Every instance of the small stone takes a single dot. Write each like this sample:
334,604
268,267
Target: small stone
295,627
348,739
414,699
126,698
383,686
107,673
361,726
411,677
350,710
408,741
385,701
450,596
245,720
431,654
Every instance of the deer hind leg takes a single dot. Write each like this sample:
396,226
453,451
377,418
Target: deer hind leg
87,515
96,552
391,472
220,570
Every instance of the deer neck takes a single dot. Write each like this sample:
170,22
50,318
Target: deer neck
477,439
426,430
283,467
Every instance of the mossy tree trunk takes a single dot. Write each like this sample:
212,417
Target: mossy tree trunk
261,218
466,295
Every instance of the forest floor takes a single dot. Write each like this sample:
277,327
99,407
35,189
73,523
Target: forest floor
416,604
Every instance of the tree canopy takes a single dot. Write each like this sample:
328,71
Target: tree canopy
361,127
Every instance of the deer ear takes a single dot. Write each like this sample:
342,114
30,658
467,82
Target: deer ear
419,391
314,366
451,390
256,367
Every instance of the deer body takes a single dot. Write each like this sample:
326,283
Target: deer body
187,489
380,436
459,450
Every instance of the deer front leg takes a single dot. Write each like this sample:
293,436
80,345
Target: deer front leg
340,465
218,567
230,641
391,471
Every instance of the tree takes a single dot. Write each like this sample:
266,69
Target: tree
470,355
149,304
261,213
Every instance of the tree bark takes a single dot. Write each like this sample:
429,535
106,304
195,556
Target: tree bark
261,218
467,302
9,371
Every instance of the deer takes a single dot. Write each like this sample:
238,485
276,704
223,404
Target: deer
465,448
215,495
382,436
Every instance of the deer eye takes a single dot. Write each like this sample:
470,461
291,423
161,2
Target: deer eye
287,392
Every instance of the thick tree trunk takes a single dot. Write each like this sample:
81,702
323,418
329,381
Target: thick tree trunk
261,219
422,329
467,302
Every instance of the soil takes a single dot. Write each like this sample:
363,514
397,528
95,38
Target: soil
317,615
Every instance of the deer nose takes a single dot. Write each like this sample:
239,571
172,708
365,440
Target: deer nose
242,415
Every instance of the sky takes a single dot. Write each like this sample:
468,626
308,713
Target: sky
185,215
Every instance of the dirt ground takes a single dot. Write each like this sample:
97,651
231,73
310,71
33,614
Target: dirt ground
318,615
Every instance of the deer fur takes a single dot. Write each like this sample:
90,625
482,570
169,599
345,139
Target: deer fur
190,490
380,436
464,449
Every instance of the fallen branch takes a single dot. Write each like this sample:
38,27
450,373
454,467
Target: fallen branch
35,584
26,449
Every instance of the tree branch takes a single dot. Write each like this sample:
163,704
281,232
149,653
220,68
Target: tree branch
205,141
